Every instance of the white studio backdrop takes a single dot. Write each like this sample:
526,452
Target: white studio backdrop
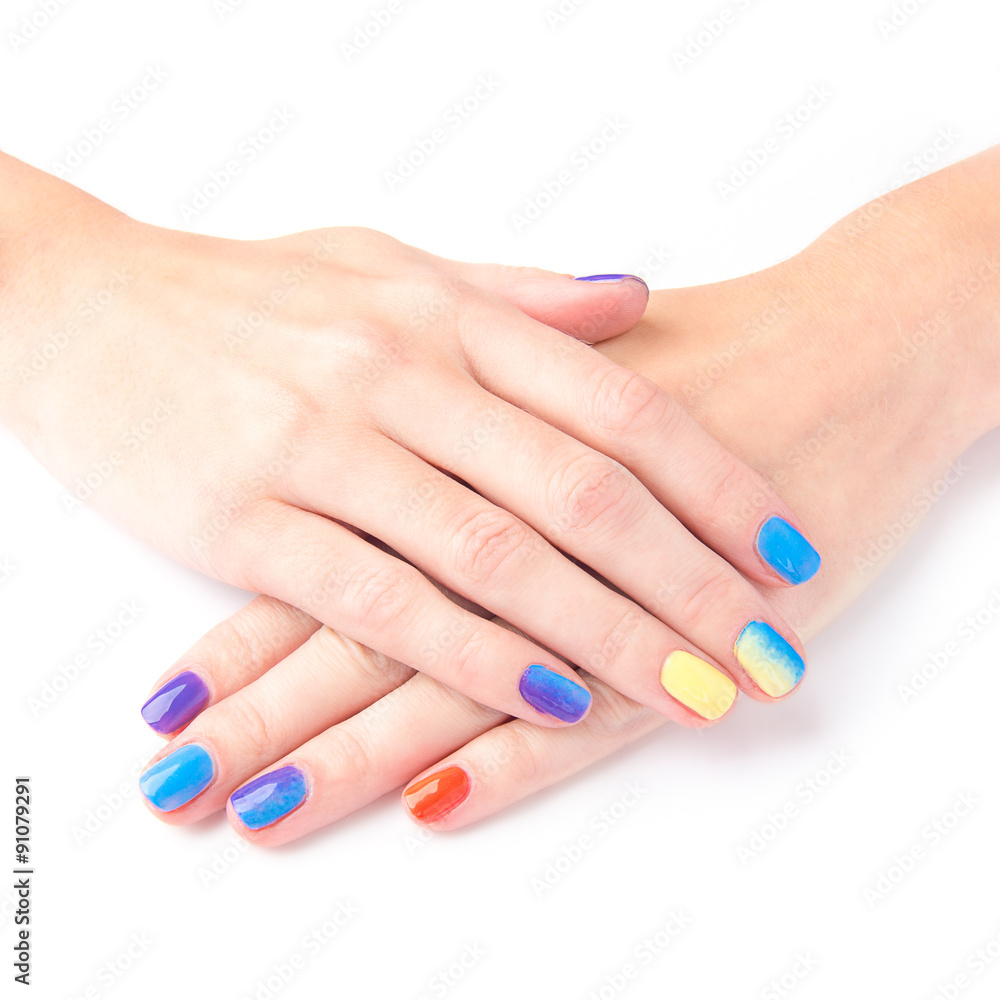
584,136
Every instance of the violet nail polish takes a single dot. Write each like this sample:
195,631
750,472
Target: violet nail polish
176,703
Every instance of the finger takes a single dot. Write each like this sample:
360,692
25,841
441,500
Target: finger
591,308
507,763
356,762
228,657
385,603
629,418
327,679
487,554
589,506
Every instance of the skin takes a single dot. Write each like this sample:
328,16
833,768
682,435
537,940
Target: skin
264,411
817,372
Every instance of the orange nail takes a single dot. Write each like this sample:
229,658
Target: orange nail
435,796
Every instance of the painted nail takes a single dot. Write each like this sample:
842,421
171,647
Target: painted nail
611,278
697,684
769,659
266,799
785,549
176,703
177,778
436,795
553,694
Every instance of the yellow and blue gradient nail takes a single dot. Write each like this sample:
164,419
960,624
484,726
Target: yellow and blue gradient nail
177,778
270,797
786,551
769,659
697,685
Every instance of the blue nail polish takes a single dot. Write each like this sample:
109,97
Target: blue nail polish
177,778
609,278
553,694
786,551
266,799
769,658
175,704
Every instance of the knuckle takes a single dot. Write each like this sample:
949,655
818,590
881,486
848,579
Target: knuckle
616,720
708,598
592,490
488,542
515,750
249,725
376,597
626,403
351,758
465,658
718,497
375,671
615,638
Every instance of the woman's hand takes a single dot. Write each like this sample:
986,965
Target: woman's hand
333,418
816,372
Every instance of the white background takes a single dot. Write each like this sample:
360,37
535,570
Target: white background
653,194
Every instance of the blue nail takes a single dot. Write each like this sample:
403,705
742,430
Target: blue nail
177,778
266,799
175,704
553,694
611,278
769,658
784,549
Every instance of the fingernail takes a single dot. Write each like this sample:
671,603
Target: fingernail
769,659
176,703
553,694
266,799
785,549
435,796
177,778
697,684
611,278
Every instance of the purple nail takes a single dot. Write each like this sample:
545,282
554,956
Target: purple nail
611,278
176,703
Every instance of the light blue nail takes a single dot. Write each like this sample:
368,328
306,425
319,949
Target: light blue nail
786,551
177,778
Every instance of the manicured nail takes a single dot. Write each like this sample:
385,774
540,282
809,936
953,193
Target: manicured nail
769,659
554,694
697,684
176,703
611,278
266,799
177,778
436,795
784,549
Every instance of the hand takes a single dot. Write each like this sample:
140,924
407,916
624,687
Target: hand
856,450
266,411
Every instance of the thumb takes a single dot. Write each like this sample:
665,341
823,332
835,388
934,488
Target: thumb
593,308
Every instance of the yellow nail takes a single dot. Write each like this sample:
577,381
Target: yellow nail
697,684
